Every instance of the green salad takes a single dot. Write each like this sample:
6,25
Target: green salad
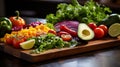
49,41
90,12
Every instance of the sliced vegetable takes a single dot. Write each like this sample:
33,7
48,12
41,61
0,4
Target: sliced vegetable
17,28
9,40
70,31
49,41
114,30
70,24
66,37
27,44
85,32
62,32
52,31
17,41
33,24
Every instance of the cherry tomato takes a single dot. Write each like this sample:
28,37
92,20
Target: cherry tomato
16,42
92,25
70,31
104,28
99,33
52,31
66,37
9,40
61,32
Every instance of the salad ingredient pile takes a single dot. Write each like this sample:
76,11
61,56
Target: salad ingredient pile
49,41
90,12
16,37
73,24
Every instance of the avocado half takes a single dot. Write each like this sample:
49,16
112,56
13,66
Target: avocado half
85,32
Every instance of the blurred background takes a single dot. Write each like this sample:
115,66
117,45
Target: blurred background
40,8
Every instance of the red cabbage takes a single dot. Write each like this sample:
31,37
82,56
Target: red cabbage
70,24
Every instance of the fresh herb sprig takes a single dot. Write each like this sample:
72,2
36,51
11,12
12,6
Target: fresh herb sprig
49,41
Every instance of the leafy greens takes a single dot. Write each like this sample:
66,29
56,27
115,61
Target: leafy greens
90,12
49,41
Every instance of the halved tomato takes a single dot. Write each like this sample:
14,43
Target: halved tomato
17,41
9,40
66,37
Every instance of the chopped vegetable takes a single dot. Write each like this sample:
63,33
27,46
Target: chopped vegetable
68,30
62,32
17,41
52,31
50,25
70,24
24,34
49,41
66,37
34,24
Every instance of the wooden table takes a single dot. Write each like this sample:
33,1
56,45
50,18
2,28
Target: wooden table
101,58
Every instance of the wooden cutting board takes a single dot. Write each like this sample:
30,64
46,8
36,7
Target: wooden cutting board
55,53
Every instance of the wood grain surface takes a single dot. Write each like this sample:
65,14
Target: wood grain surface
55,53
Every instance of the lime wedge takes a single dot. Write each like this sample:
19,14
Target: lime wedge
114,30
27,44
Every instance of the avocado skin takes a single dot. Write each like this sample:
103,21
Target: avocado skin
113,18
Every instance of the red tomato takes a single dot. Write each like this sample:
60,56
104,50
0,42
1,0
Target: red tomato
52,31
16,42
70,31
9,40
99,33
61,32
104,28
92,25
66,37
